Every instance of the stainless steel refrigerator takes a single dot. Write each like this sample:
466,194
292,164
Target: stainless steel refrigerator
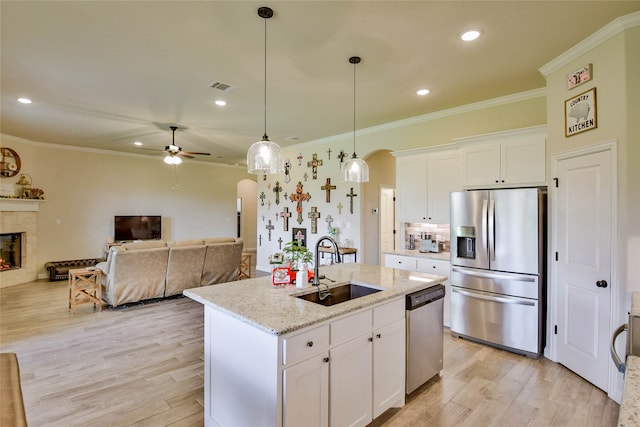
498,286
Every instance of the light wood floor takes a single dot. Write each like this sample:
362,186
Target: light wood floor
143,366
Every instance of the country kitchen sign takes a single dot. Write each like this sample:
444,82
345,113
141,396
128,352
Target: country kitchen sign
580,113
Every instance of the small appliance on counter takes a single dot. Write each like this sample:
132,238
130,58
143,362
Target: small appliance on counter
428,244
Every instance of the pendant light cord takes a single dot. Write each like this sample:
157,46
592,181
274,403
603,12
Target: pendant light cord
265,137
354,109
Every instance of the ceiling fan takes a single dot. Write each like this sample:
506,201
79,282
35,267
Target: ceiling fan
174,152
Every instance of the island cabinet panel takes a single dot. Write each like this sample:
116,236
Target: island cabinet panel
306,393
242,379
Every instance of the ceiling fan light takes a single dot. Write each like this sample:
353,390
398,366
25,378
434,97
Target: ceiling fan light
172,160
264,157
355,170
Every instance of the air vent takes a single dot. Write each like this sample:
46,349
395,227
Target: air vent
224,87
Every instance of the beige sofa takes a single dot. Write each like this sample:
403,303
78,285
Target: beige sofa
156,269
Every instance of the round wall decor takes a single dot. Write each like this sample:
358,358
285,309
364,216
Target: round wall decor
10,163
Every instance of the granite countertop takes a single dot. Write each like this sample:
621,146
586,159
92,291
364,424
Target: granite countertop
445,256
630,406
258,302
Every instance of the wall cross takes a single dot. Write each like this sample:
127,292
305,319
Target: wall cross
285,214
342,155
327,188
299,197
277,189
269,227
314,215
262,197
279,242
313,164
340,208
351,195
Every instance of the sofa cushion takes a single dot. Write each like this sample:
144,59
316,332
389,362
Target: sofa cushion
188,242
144,244
214,240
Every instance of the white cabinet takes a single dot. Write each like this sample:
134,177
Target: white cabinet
367,366
411,188
504,159
389,384
306,392
351,382
400,261
423,182
441,268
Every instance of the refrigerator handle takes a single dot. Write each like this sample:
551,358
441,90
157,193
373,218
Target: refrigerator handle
492,230
484,224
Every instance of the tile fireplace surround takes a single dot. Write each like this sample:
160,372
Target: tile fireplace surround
20,216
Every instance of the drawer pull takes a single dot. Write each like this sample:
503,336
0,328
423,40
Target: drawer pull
310,344
370,339
378,335
325,360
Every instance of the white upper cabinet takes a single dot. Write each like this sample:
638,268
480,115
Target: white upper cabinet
504,159
424,179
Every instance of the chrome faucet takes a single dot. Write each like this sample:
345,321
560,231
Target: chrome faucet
316,263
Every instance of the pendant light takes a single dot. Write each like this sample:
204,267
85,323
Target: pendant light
355,169
264,157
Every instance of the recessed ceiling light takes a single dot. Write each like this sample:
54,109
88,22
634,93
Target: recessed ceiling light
137,143
24,100
423,92
220,102
470,35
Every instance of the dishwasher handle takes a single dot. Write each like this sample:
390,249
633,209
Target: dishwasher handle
620,366
425,296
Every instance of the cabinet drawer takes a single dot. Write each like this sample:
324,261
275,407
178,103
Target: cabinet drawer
305,344
399,261
350,327
434,267
387,313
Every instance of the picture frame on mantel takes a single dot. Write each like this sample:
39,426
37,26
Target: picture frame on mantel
580,113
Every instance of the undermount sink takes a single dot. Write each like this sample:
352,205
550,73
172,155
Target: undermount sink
338,294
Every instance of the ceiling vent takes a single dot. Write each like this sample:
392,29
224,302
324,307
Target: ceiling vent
223,86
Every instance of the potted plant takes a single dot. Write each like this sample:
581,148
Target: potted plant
297,254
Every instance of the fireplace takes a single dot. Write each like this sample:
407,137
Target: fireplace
10,251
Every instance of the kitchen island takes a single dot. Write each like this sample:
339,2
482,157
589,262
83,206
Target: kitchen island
271,358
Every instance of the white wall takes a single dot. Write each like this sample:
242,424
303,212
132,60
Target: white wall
84,190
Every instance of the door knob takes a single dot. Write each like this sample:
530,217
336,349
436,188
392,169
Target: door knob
601,283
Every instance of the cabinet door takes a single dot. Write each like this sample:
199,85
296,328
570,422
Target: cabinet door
480,165
350,379
306,393
388,367
443,177
523,161
400,262
411,188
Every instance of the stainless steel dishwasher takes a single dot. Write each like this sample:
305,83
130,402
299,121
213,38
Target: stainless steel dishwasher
424,335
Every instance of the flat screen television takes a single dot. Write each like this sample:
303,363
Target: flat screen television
137,227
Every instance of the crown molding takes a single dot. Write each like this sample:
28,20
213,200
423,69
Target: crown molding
610,30
481,105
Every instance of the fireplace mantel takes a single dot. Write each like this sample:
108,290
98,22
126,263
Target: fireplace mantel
20,205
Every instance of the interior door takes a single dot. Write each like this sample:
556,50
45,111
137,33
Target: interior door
387,222
583,214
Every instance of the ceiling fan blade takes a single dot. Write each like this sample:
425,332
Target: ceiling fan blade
194,152
183,154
